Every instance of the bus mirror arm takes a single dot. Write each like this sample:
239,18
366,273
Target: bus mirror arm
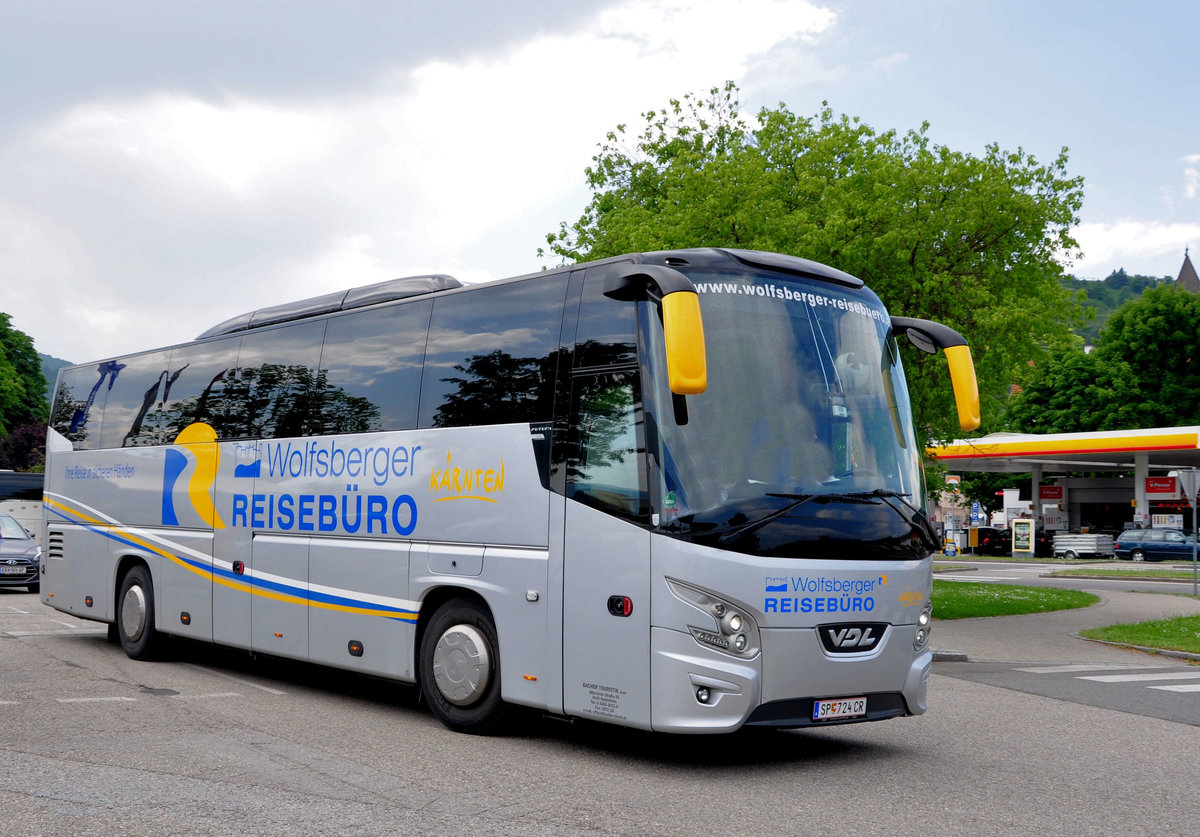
683,329
929,336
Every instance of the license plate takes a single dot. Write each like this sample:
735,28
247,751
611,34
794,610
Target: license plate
830,710
13,570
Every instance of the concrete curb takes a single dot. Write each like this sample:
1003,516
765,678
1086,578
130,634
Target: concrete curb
1162,652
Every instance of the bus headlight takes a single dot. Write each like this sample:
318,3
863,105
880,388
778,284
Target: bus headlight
727,629
924,627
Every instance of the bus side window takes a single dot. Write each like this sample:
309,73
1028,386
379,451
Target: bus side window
371,369
133,413
275,387
606,463
79,403
492,355
607,332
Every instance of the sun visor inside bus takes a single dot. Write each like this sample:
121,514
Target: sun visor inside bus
387,291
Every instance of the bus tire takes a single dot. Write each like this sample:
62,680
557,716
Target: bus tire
135,614
460,667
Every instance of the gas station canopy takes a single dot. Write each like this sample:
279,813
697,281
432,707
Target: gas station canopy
1158,449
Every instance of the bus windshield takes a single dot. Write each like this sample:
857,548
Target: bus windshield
804,436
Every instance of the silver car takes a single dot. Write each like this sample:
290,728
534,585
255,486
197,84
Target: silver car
20,556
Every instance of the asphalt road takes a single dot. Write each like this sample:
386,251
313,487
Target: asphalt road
211,742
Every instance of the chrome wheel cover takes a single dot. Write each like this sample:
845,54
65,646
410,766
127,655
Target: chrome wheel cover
133,613
462,666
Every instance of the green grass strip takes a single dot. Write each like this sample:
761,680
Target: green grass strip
971,600
1119,573
1179,634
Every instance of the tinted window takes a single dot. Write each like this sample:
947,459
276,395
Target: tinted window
491,355
605,467
371,369
607,333
133,413
195,389
275,390
79,402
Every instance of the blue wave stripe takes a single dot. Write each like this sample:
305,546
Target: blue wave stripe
251,584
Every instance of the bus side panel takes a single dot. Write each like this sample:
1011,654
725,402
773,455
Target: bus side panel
183,584
107,504
522,614
232,549
279,608
376,616
79,565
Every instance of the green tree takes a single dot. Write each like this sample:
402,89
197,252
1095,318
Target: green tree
1144,372
1076,392
970,241
1157,340
22,386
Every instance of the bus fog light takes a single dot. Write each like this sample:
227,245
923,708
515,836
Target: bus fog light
703,695
739,642
921,638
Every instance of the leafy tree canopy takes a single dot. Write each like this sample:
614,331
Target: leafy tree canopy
22,386
969,241
1144,372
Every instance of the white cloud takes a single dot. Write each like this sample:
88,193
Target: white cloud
1191,176
1148,247
136,221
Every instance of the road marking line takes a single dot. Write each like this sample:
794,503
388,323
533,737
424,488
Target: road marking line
9,703
97,700
267,689
1179,687
1143,678
205,697
980,578
1082,667
58,632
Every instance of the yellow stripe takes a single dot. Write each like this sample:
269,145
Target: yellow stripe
239,586
1093,444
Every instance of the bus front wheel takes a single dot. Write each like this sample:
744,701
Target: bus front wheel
135,614
460,667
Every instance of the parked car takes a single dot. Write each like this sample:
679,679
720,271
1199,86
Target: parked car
993,541
1153,545
20,556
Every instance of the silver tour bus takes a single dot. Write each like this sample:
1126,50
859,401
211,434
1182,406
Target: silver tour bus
678,491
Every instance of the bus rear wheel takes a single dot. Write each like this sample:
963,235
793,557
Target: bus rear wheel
460,667
135,615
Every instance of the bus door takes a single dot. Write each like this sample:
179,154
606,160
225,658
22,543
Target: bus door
606,554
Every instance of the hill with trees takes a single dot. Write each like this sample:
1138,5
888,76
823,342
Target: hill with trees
1107,295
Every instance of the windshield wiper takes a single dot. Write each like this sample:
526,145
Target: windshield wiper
925,527
798,500
754,525
884,495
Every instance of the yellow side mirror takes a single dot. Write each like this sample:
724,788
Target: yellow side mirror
966,387
683,331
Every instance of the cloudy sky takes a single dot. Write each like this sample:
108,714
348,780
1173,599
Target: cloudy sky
164,166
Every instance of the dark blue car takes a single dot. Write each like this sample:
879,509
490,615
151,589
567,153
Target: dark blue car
1153,545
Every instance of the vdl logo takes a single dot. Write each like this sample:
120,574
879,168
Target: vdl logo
851,637
195,443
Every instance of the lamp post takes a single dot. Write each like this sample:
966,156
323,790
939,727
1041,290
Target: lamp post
1188,481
